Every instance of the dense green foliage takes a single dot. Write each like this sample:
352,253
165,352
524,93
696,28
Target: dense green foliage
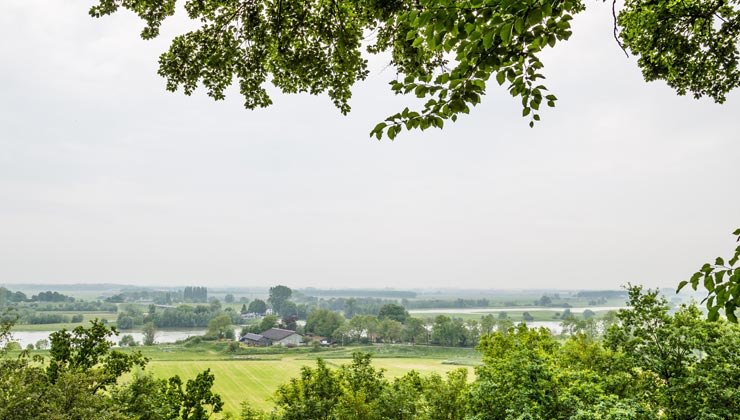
220,327
445,52
722,282
50,296
7,296
645,363
650,365
692,45
394,312
279,296
80,382
44,308
257,306
324,322
359,391
182,316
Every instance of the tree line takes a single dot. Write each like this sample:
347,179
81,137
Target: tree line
182,316
649,365
195,294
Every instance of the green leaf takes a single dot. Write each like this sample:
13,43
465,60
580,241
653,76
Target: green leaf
506,33
681,285
713,314
694,281
534,17
488,40
519,26
731,317
718,276
500,77
546,9
379,127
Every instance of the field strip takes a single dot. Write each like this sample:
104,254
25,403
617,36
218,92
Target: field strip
256,381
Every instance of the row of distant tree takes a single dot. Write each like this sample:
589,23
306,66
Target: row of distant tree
190,294
183,316
8,297
649,364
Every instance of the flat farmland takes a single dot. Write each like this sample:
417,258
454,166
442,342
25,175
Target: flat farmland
256,380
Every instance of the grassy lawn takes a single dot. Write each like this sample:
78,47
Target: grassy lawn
254,374
255,380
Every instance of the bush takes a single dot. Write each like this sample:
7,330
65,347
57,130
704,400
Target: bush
13,346
191,341
127,340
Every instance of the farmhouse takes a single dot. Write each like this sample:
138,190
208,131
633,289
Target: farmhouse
281,337
254,340
273,337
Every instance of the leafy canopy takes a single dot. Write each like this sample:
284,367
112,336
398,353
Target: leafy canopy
722,282
445,52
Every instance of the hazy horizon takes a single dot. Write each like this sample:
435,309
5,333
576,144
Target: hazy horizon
107,177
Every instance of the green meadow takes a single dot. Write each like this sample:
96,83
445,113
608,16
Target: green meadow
253,375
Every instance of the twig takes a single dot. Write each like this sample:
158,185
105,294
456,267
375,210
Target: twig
616,29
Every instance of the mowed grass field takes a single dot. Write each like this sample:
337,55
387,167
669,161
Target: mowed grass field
255,380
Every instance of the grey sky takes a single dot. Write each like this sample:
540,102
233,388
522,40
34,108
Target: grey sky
106,177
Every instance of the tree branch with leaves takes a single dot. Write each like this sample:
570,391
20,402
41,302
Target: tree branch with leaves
722,282
444,51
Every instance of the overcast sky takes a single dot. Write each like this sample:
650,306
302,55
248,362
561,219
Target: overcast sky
107,177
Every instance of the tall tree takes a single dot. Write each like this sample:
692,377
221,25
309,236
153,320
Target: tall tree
691,366
257,306
323,322
278,296
150,334
220,327
394,312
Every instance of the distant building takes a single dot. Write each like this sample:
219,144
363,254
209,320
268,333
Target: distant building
281,337
255,340
273,337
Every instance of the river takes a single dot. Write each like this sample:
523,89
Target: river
161,336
